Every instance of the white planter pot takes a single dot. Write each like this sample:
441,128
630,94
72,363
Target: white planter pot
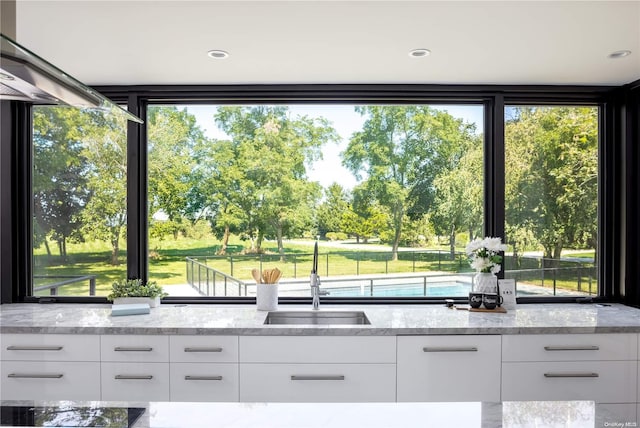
485,283
267,297
152,301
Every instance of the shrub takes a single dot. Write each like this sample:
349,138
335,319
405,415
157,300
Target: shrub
336,236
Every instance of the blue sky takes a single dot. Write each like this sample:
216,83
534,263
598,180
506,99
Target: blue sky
345,121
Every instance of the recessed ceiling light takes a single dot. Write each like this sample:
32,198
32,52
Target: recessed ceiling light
419,53
620,54
218,54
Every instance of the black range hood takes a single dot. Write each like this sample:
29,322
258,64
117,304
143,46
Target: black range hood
24,76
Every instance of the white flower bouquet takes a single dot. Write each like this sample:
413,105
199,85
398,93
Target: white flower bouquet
484,254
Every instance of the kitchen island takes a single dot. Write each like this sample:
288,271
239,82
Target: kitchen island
406,353
579,414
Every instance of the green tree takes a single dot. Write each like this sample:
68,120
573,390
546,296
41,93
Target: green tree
59,184
365,217
458,196
330,211
402,149
105,148
268,153
173,137
364,225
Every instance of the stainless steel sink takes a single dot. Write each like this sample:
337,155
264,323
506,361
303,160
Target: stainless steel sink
317,318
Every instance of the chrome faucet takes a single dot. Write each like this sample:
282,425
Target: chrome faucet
315,290
315,280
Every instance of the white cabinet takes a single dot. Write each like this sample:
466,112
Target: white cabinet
569,347
599,367
317,349
600,381
142,381
204,368
204,382
135,367
317,369
134,348
50,367
50,380
50,347
203,349
449,368
318,382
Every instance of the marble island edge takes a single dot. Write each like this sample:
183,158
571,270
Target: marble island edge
386,320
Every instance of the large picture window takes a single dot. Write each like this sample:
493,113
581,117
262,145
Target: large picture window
392,194
551,199
79,201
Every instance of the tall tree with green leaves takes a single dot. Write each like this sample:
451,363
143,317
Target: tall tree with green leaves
105,148
330,211
270,151
402,149
59,183
173,136
458,201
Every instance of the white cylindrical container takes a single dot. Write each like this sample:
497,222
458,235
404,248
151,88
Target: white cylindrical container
267,297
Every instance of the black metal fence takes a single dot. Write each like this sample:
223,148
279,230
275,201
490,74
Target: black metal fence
211,282
556,277
66,279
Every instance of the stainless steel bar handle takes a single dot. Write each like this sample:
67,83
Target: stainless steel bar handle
571,374
35,375
572,348
202,349
203,378
133,377
326,377
34,348
450,349
132,349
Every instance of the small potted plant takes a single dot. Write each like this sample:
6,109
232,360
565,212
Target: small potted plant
136,291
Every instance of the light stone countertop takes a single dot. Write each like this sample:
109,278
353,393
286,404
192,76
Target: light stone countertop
386,320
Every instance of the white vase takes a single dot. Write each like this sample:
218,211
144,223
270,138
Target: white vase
485,282
152,301
267,297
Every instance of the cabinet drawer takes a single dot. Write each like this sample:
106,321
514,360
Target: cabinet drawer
203,349
50,347
449,368
135,381
569,347
46,380
318,382
317,349
135,348
600,381
204,382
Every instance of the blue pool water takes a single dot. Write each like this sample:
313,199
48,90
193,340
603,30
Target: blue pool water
445,289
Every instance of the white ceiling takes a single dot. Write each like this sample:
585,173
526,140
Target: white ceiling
471,42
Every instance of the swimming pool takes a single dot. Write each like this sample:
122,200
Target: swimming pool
442,289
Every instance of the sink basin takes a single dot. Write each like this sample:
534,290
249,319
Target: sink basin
317,318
